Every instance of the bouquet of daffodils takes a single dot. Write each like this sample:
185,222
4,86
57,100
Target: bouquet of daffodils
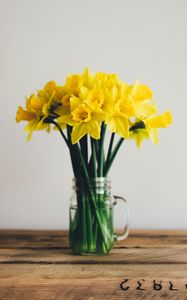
81,110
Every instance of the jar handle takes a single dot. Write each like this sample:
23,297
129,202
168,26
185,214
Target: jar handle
125,233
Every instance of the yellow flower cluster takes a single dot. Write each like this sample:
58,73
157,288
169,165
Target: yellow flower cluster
86,100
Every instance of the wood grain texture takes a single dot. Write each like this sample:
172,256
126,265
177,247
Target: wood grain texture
59,239
39,265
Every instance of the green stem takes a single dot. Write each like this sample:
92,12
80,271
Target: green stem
83,222
73,154
137,125
90,167
113,155
91,244
96,142
84,148
92,197
93,157
101,151
110,147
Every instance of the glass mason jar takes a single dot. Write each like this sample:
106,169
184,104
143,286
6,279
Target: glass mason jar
91,228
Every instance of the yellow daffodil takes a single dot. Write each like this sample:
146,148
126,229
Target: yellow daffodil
95,99
81,114
35,103
72,84
140,92
103,80
25,115
154,122
52,91
139,135
140,95
36,125
117,120
119,110
83,120
91,127
34,121
119,125
38,107
66,100
86,100
160,121
76,81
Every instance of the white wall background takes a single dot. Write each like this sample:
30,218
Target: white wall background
42,40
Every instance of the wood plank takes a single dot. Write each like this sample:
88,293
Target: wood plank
49,274
120,256
92,289
92,282
59,239
39,265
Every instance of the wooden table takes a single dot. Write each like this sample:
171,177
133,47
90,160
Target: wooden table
39,265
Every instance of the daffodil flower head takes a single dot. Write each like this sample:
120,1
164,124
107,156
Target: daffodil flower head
66,100
81,114
87,100
25,115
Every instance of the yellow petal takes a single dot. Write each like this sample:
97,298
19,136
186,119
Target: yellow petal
36,103
84,92
93,128
86,78
95,99
24,115
99,116
78,132
62,110
74,102
153,134
145,109
31,126
81,114
139,135
66,119
73,83
66,100
41,125
126,108
119,125
141,92
160,121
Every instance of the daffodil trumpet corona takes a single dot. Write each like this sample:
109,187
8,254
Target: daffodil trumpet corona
83,109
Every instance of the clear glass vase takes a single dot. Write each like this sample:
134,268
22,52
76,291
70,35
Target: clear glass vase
91,228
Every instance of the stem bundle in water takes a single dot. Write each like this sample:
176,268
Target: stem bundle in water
91,228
